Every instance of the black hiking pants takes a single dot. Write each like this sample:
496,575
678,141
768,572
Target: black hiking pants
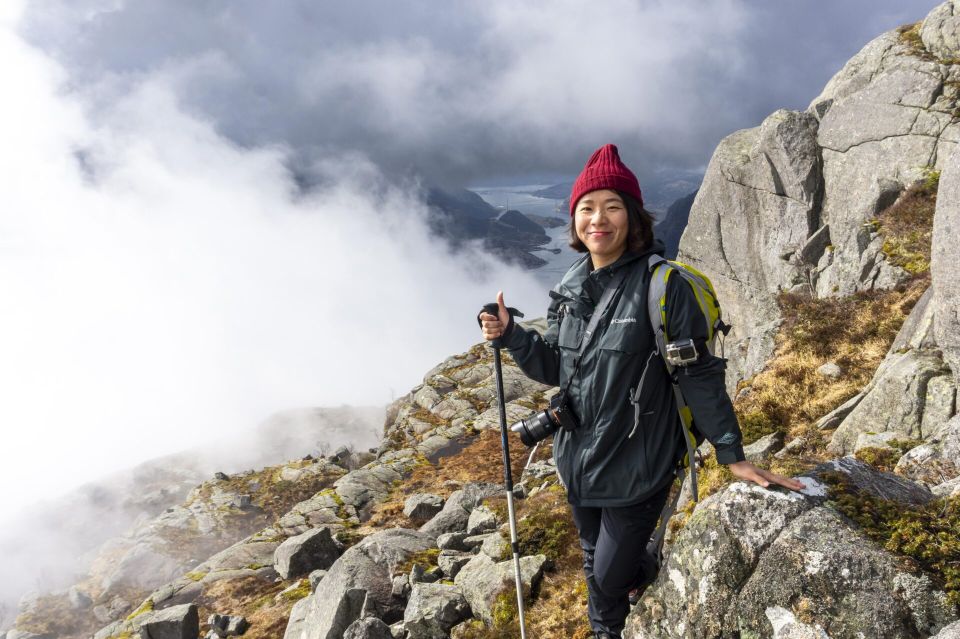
614,541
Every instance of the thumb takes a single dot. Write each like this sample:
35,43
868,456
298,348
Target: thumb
504,316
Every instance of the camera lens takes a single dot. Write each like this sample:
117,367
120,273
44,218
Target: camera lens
535,428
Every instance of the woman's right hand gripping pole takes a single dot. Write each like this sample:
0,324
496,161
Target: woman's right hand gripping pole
494,326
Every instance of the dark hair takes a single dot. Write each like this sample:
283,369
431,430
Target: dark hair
639,229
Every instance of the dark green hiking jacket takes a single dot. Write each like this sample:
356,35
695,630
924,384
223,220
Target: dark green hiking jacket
599,463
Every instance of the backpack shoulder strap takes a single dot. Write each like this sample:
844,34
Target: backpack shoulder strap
656,300
657,310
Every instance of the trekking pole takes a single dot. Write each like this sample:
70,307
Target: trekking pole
508,475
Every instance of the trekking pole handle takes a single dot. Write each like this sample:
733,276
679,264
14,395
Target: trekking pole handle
494,309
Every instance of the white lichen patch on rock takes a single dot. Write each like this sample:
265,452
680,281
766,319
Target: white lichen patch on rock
786,626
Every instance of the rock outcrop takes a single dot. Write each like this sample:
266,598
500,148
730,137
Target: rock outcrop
912,393
756,562
786,206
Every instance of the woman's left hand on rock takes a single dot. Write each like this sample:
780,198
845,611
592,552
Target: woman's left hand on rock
746,470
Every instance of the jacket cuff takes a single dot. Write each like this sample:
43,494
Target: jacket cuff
510,332
730,454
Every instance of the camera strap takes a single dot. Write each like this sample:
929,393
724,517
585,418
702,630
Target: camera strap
608,292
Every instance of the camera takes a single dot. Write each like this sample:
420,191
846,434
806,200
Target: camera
681,353
541,425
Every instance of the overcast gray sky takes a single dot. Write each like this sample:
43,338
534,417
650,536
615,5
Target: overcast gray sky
469,91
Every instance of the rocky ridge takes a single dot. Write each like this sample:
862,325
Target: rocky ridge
452,406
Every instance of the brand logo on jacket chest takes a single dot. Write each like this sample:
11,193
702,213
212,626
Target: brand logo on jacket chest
623,320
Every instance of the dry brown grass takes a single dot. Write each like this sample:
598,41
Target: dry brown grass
480,460
855,332
907,226
544,522
251,597
56,616
910,37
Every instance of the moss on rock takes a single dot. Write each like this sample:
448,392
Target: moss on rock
925,534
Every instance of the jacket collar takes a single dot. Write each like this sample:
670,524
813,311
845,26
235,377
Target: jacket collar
572,284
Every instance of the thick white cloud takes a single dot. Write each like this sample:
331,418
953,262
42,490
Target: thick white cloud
165,286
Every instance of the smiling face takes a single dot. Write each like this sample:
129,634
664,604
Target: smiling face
600,219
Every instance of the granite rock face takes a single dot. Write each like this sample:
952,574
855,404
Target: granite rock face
940,31
176,622
455,515
896,401
945,265
433,609
786,206
757,207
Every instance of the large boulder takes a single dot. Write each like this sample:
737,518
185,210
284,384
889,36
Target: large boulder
757,562
455,514
820,568
306,552
483,580
945,265
761,194
421,507
895,402
359,583
176,622
433,609
711,558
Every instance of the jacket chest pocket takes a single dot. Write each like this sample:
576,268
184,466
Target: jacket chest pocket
622,338
571,332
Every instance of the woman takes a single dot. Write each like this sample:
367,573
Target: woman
618,471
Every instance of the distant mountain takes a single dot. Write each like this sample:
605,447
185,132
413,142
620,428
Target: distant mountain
660,190
461,215
555,192
665,187
671,225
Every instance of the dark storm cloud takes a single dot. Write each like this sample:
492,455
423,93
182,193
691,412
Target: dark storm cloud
470,90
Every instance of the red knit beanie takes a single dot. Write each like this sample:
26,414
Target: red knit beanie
605,170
